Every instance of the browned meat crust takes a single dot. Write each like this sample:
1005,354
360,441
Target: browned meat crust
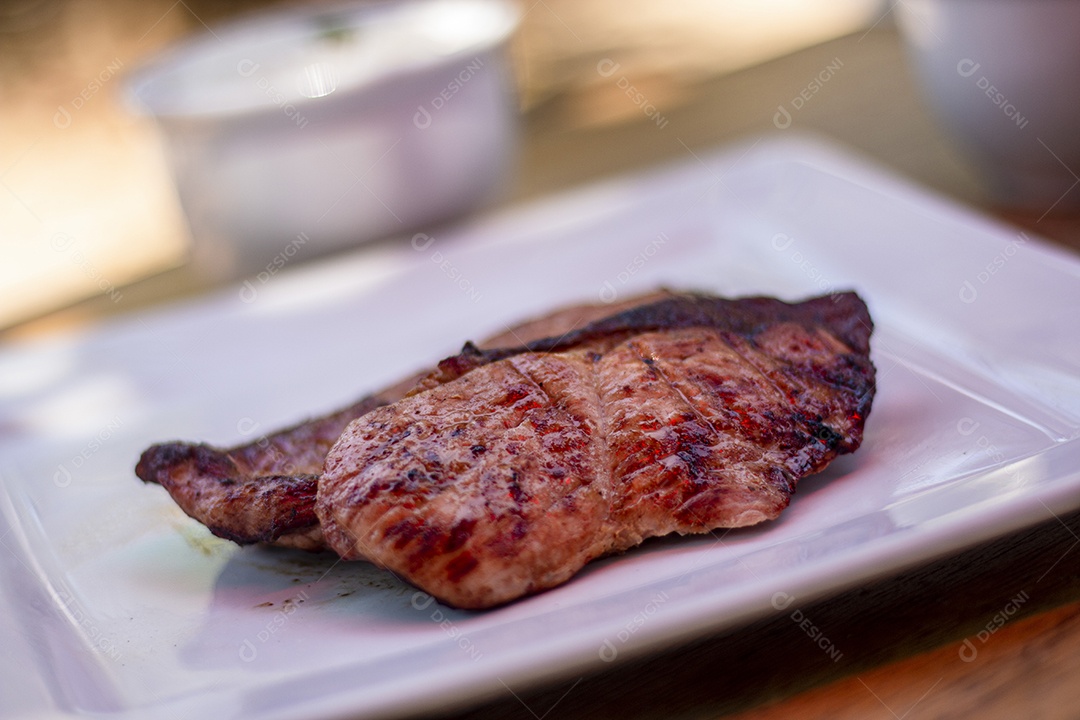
512,468
264,491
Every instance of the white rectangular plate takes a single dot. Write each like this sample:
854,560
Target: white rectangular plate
114,602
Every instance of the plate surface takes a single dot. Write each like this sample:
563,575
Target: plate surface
112,601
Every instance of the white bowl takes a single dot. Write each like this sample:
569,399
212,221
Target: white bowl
310,130
1003,77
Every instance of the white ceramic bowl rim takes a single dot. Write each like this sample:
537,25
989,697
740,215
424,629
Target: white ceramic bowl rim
170,86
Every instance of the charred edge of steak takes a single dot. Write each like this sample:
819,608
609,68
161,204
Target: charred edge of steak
293,500
844,314
285,504
158,461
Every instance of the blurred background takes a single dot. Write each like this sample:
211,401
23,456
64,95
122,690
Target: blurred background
90,223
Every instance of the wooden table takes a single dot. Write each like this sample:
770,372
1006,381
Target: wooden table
993,632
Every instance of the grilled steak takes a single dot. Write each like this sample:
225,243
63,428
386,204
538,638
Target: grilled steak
264,491
506,470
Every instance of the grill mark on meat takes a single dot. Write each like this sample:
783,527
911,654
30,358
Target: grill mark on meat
795,387
524,373
460,566
603,427
515,493
690,447
786,395
661,375
687,451
691,458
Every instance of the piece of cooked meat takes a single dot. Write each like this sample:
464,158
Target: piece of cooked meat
264,491
515,467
